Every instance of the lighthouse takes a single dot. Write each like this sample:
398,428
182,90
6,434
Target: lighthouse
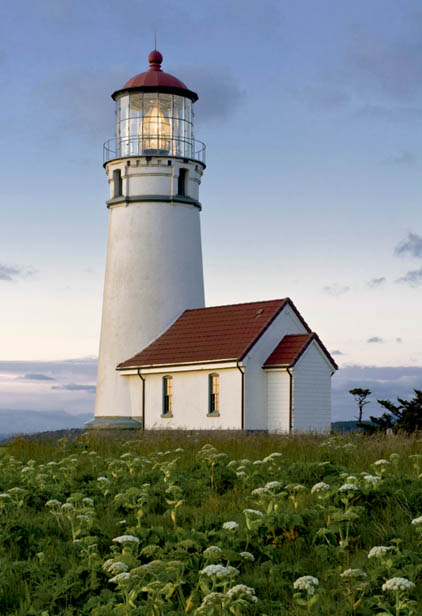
154,268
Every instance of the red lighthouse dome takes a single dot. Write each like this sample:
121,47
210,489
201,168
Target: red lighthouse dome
156,80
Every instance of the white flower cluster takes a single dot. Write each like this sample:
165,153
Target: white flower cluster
320,487
371,478
120,577
219,571
212,552
378,551
397,583
103,480
352,573
231,525
347,486
126,539
255,512
260,491
272,456
417,521
381,462
306,582
114,566
242,591
273,485
247,556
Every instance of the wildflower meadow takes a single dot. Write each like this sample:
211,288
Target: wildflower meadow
169,524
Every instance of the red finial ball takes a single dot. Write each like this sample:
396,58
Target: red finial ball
155,59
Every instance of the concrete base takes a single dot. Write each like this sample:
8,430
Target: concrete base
113,423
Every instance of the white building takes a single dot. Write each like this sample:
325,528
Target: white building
254,366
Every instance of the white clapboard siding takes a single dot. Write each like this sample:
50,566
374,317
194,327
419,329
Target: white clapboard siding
278,394
312,391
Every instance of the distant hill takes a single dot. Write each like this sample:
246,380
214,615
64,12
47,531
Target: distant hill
347,426
29,422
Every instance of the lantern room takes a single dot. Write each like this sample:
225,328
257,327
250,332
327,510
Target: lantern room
154,117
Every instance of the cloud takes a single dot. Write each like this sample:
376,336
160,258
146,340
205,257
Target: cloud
11,273
336,352
75,387
219,93
413,278
404,159
375,283
37,377
412,246
335,289
375,340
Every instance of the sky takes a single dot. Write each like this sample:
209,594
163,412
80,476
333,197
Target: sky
311,113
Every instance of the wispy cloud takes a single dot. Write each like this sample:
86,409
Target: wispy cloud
11,273
411,246
413,278
404,159
37,377
335,289
375,283
375,340
75,387
336,352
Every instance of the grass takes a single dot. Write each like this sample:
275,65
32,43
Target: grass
172,492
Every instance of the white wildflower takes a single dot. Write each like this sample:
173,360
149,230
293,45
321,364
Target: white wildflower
417,521
83,517
260,491
27,469
120,577
352,573
397,583
67,506
53,503
306,582
371,478
320,487
378,551
52,463
381,462
273,485
272,456
215,570
347,486
16,490
213,551
255,512
243,591
256,462
5,496
126,539
247,556
88,501
103,479
241,474
231,525
114,566
245,461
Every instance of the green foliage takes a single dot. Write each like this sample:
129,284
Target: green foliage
406,415
172,525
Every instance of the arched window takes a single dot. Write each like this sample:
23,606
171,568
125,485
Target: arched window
214,393
117,183
167,395
181,182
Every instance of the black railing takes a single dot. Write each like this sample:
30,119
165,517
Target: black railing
157,145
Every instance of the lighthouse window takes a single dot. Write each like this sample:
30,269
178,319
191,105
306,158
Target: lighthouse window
181,182
214,393
167,395
117,183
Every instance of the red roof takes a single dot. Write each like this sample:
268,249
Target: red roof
220,333
156,79
292,347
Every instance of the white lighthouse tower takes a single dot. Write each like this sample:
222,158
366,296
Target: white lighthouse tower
154,257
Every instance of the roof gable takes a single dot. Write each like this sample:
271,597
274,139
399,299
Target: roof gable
220,333
292,347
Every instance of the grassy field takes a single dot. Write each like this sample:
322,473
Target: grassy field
166,524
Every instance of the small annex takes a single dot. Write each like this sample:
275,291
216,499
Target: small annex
252,366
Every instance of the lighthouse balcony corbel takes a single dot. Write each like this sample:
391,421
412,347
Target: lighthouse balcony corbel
170,147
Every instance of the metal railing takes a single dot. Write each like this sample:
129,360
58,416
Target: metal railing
155,145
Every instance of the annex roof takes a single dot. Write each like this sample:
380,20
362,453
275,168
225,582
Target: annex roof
292,347
220,333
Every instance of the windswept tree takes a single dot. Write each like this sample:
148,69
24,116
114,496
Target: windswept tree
406,415
360,396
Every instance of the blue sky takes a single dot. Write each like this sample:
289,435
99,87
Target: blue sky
311,113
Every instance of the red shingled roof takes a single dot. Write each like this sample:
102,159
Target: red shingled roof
211,334
292,347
